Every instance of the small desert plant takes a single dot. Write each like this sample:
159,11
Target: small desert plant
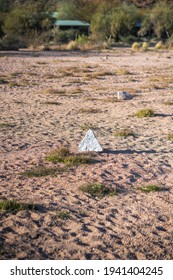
89,110
144,113
54,91
72,46
63,155
87,126
135,46
123,72
159,45
170,137
97,190
63,215
14,206
7,125
124,133
149,188
41,171
145,46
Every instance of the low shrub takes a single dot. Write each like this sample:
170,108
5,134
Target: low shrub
144,113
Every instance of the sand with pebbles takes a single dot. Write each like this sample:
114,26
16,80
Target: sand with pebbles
50,99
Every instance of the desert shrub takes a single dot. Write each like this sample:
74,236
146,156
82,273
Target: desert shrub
135,46
72,46
144,113
159,45
41,171
124,133
145,46
97,190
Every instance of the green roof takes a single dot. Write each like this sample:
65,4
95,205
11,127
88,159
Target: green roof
71,23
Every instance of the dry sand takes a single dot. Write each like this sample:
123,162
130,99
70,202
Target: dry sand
129,225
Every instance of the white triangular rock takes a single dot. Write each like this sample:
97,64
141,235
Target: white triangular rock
90,143
123,95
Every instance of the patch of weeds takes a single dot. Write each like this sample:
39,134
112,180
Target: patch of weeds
41,171
144,113
87,126
63,155
54,91
149,188
51,103
170,137
124,133
97,190
16,74
14,84
123,72
41,62
14,206
89,110
7,125
63,215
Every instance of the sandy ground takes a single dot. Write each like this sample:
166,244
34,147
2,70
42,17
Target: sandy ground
129,225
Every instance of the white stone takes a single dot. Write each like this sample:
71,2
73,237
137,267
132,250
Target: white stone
123,95
90,143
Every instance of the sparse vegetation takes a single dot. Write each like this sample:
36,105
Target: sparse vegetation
170,137
149,188
123,72
14,206
63,155
124,133
53,91
63,215
135,46
51,103
144,113
40,171
97,190
89,110
169,103
6,125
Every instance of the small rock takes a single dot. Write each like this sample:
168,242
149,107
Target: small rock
123,95
90,143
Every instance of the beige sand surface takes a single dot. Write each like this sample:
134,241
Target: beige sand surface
129,225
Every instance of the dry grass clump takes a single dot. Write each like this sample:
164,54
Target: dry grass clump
89,110
159,45
87,126
53,91
123,71
124,133
149,188
170,137
97,190
111,99
14,206
135,46
145,46
145,113
6,125
41,171
63,155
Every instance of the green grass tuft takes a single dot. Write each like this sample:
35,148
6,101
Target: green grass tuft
144,113
149,188
63,215
97,190
42,171
63,155
14,206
